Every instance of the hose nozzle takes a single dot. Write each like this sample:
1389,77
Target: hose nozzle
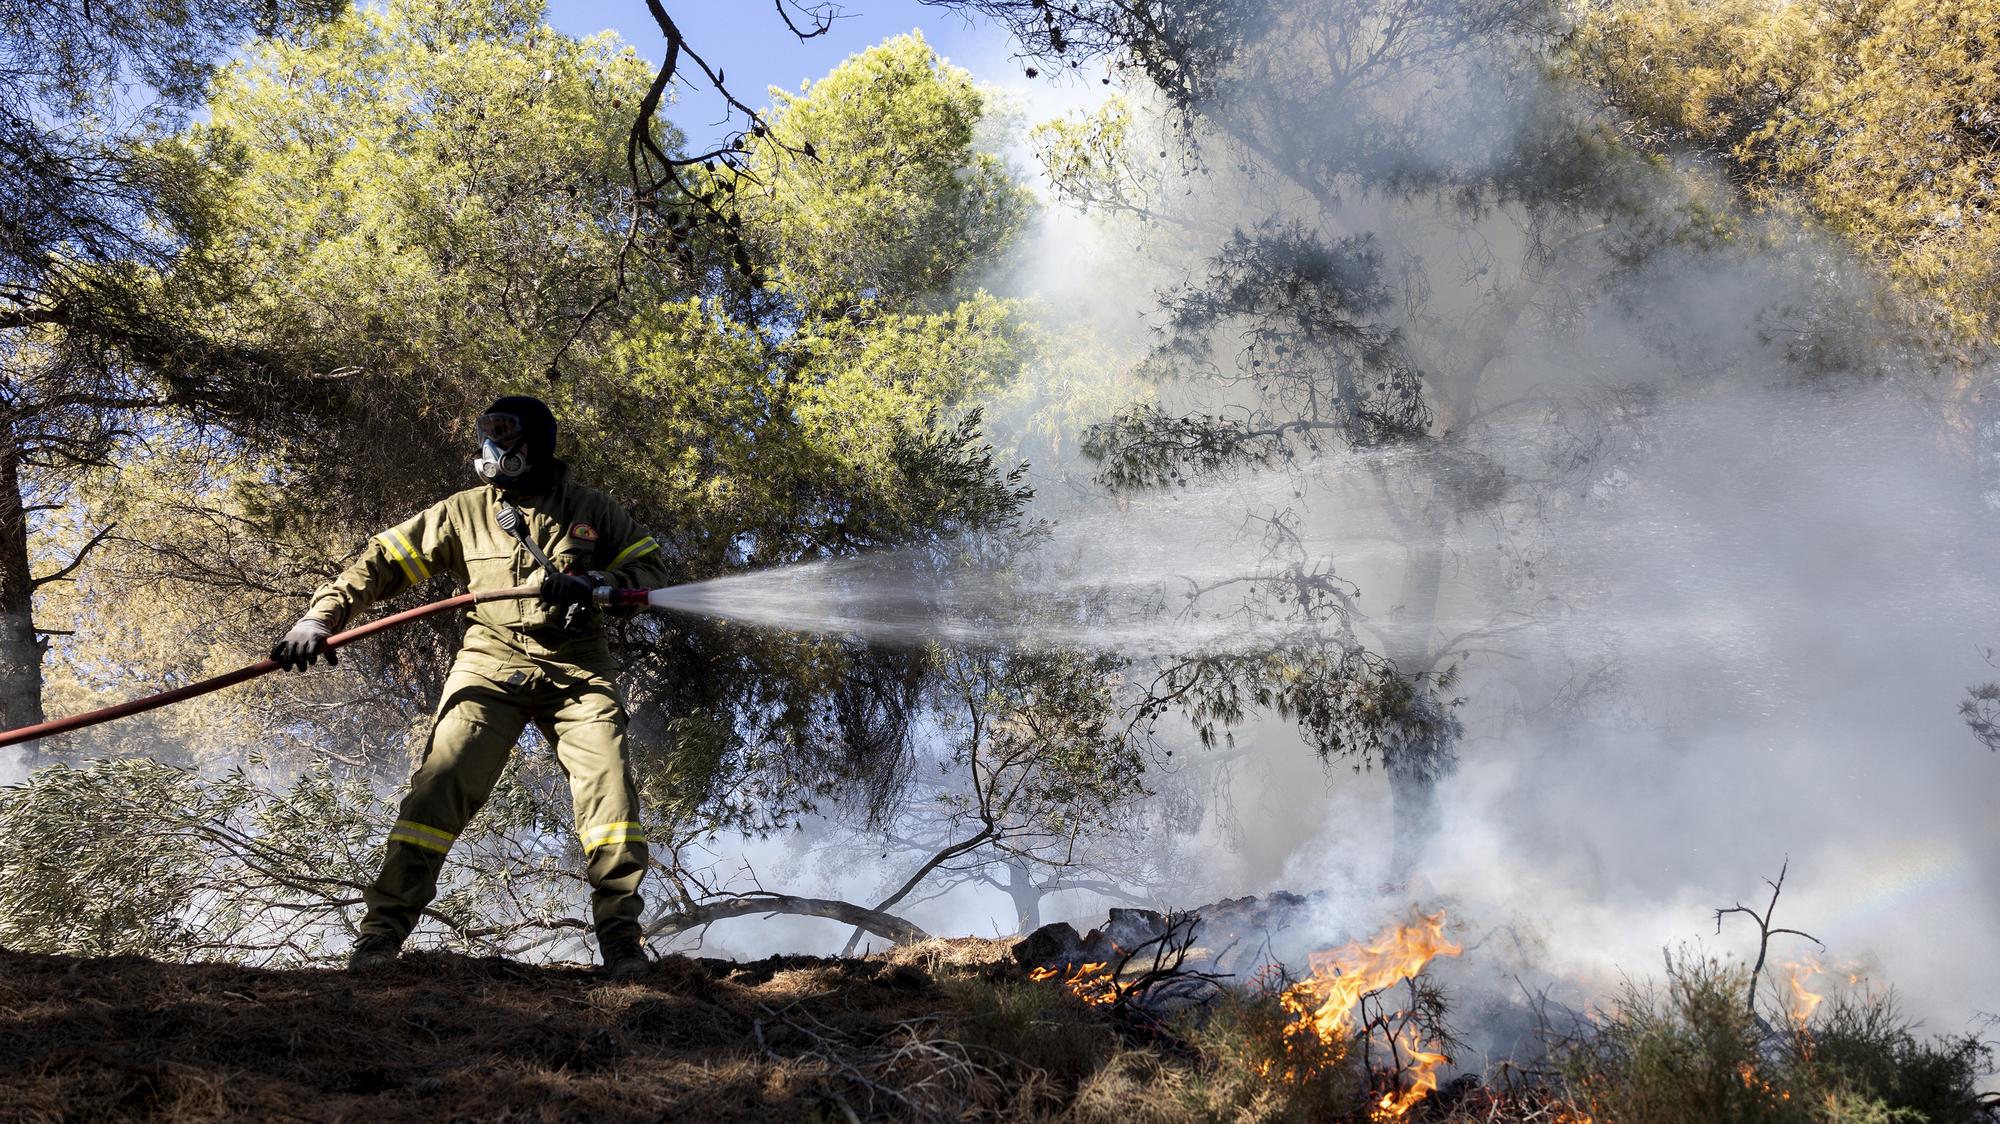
605,597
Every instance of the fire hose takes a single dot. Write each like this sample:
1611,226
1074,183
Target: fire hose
617,598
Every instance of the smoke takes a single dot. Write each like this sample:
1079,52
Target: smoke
1717,624
1764,614
15,768
1777,615
1735,640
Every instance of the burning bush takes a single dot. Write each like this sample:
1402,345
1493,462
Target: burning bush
1360,1037
1340,1006
1693,1050
1363,1037
941,1030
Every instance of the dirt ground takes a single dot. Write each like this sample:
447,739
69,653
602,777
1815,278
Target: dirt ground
440,1038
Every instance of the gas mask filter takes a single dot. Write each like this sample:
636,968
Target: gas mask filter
501,459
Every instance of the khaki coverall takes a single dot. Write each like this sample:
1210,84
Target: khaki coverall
517,663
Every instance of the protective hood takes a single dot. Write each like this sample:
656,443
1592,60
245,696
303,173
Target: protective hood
517,445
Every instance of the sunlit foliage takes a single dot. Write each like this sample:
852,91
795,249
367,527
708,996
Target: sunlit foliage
1879,119
422,206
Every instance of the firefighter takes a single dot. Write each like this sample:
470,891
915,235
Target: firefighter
545,660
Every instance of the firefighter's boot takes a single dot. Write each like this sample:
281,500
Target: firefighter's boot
623,953
372,951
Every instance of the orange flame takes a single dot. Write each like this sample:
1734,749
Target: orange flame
1322,1006
1758,1084
1804,1001
1324,1002
1088,982
1421,1066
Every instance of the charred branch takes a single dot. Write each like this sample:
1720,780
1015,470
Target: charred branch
819,18
692,916
1765,930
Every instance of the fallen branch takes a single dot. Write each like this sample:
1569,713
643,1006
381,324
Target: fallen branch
692,916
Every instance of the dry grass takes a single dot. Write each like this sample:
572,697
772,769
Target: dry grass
431,1038
945,1030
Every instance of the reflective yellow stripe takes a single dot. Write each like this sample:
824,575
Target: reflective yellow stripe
403,560
638,549
418,835
435,833
606,834
416,559
396,552
607,828
629,837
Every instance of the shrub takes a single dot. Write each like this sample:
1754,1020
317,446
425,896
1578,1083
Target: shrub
1691,1051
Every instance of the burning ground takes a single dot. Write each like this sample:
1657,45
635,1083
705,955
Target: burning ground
947,1029
1059,1026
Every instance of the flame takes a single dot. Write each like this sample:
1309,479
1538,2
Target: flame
1091,983
1804,1000
1324,1002
1421,1066
1322,1006
1755,1083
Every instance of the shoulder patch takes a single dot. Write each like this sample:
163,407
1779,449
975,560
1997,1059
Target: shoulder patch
584,531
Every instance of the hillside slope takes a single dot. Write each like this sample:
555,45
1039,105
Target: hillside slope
439,1037
947,1030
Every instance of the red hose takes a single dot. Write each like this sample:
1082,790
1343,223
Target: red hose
261,667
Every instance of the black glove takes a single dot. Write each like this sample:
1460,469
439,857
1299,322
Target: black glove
567,589
305,643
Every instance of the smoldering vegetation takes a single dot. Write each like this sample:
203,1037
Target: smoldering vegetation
1692,507
1688,508
938,1030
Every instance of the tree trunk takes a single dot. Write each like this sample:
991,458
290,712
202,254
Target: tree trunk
1418,754
1413,810
1425,753
1026,895
20,651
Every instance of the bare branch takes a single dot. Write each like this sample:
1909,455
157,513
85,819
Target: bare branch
70,567
31,317
1765,931
885,925
821,16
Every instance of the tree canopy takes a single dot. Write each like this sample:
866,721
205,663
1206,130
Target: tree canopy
415,209
404,212
1876,119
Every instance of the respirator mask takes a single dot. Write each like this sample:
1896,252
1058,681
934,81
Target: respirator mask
502,458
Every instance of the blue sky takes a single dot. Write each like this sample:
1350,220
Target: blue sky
755,50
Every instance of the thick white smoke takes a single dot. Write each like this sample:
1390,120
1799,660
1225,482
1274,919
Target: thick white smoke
1724,619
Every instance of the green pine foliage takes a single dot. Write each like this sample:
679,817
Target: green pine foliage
422,206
